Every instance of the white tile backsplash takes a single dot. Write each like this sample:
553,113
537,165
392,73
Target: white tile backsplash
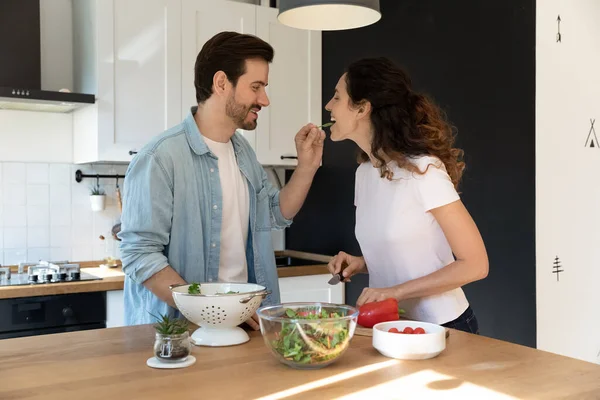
61,254
38,254
82,253
60,194
14,194
38,173
81,235
14,173
15,256
15,216
60,236
60,215
82,215
46,214
60,174
38,195
80,193
38,216
38,237
100,252
15,238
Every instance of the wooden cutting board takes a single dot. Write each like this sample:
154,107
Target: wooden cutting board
362,331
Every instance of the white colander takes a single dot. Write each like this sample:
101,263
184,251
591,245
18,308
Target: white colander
218,312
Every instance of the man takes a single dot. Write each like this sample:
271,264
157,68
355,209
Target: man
198,206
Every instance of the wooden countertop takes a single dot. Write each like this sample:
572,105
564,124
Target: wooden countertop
111,364
113,278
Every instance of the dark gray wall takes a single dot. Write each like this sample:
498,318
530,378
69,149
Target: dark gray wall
477,59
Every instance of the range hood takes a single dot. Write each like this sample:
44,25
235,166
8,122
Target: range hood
42,100
20,69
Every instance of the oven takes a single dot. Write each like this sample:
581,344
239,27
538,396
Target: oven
30,316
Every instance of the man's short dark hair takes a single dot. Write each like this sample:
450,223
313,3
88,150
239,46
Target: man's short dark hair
227,52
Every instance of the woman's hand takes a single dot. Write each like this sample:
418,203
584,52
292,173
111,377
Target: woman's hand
349,265
370,295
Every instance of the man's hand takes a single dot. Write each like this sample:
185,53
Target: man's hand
309,146
253,322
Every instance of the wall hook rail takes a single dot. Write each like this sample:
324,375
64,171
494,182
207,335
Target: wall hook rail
79,176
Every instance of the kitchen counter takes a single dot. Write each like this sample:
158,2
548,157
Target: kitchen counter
111,364
113,278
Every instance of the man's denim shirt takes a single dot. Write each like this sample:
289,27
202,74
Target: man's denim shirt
172,216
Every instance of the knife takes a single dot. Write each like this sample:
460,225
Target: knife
337,278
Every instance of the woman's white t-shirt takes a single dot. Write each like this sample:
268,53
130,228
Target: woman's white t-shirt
400,239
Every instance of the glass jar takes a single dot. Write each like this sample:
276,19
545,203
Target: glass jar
172,348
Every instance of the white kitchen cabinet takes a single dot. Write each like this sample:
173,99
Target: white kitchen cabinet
294,77
115,309
138,56
294,87
201,20
313,288
129,54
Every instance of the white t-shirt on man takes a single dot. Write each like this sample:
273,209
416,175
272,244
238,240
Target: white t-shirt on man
400,239
235,213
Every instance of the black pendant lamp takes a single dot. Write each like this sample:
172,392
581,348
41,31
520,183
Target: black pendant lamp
328,15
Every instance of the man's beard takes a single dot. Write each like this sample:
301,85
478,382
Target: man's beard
238,113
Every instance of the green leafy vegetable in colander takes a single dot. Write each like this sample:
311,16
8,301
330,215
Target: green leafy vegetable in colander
311,343
194,288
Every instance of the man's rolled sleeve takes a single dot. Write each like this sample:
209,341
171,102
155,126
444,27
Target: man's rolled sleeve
146,218
277,218
278,221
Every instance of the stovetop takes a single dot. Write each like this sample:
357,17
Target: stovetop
44,272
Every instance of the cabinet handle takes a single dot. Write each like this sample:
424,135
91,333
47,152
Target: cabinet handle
67,312
290,157
131,152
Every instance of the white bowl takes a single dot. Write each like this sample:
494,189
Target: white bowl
409,346
218,313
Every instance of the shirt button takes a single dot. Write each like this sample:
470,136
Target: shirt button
214,245
215,206
212,170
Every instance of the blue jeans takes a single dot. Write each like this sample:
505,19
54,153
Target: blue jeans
467,322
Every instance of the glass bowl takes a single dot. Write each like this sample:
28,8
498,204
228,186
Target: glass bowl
307,335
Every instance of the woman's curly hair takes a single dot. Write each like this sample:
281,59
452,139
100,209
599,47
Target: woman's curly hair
405,123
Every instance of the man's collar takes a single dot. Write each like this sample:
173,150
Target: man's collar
196,140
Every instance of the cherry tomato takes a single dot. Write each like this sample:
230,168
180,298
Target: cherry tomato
408,330
419,331
394,330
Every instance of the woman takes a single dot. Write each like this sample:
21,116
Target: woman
409,217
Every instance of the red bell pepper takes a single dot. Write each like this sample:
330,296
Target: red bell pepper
379,311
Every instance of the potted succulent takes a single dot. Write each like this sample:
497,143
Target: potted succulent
97,198
172,339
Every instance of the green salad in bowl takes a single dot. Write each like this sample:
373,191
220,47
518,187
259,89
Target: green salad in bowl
307,335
